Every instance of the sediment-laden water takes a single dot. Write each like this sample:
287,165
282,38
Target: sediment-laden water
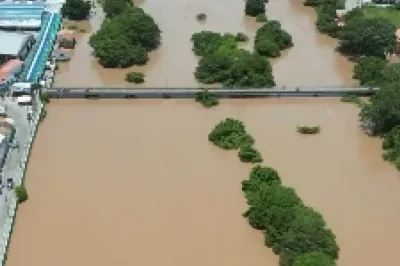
136,182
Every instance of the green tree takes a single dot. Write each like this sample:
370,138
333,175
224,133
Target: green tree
266,202
391,73
208,42
254,7
314,258
115,7
235,68
125,39
76,9
367,36
248,154
21,193
260,175
368,70
230,134
326,23
305,234
383,112
206,98
271,39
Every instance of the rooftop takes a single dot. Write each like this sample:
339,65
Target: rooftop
11,42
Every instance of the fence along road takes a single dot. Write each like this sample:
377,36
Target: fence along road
74,93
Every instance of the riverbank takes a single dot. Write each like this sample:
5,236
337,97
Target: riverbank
132,194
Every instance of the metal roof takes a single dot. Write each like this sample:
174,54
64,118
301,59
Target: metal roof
11,42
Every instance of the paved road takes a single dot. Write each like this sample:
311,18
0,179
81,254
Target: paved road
13,165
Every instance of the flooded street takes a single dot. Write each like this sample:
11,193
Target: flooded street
136,182
311,62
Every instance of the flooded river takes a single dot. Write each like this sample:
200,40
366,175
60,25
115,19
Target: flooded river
136,182
311,62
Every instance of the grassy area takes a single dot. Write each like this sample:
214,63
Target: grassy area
391,14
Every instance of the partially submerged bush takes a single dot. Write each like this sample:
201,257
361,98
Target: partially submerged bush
314,258
21,193
254,7
201,16
134,77
352,99
308,130
44,97
230,134
259,175
241,37
271,39
261,18
206,98
248,154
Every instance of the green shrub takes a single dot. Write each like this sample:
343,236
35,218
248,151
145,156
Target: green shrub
230,134
134,77
307,232
260,175
241,37
44,97
351,98
21,193
261,18
271,39
368,70
268,202
254,7
206,98
248,154
314,258
308,130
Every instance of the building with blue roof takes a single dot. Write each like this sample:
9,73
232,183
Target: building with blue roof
21,15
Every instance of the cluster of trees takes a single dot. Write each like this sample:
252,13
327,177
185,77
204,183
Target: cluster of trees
76,9
223,62
125,39
294,231
362,36
326,15
230,134
271,39
207,99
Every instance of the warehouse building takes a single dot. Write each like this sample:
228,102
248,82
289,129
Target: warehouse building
15,45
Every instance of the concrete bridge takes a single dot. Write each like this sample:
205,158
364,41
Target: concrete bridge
125,93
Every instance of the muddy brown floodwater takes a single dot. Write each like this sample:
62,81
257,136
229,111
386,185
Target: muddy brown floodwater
137,183
311,62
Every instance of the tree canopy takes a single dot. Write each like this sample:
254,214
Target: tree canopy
314,258
125,39
115,7
271,39
367,36
230,134
223,62
76,9
383,112
368,70
254,7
